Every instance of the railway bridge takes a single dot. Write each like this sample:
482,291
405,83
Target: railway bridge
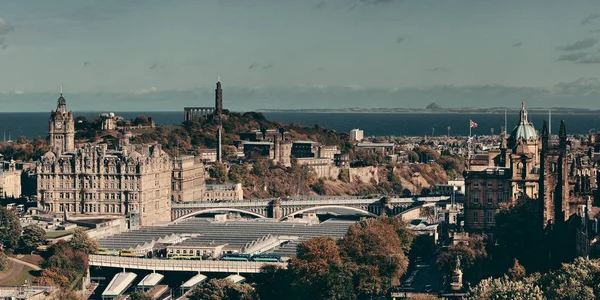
282,208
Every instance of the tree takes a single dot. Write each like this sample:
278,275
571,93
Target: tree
521,236
33,237
10,228
273,283
379,248
516,272
141,120
577,280
472,254
3,261
229,153
223,289
64,265
219,172
504,288
140,295
81,242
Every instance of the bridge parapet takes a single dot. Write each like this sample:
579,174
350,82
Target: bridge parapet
204,266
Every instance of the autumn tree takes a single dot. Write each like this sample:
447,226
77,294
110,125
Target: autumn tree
10,228
516,272
33,237
3,261
81,242
472,254
64,265
379,248
320,273
223,289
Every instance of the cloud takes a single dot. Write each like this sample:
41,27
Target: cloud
594,30
438,69
589,60
579,45
400,40
517,44
320,5
5,27
581,87
3,44
252,66
149,90
268,66
572,56
379,1
85,64
589,19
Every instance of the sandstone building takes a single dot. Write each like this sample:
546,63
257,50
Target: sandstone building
93,181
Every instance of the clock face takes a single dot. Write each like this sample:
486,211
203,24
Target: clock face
59,125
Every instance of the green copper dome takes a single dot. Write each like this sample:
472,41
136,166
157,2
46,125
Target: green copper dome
524,130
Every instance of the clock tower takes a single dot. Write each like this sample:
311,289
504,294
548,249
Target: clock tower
62,127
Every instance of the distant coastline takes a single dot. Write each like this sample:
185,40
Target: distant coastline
469,110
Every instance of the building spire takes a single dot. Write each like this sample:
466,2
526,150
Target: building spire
562,132
61,89
219,78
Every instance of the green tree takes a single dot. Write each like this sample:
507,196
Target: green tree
33,237
140,295
81,242
239,173
577,280
504,288
229,153
10,228
219,172
223,289
521,236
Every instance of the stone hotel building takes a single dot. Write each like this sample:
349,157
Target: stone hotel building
91,181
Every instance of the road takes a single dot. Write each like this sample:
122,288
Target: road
427,275
18,261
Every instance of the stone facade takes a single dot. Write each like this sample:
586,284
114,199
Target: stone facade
486,192
95,181
528,167
323,167
231,192
10,181
187,182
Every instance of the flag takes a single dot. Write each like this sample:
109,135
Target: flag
473,124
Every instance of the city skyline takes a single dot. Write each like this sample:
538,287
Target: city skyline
273,54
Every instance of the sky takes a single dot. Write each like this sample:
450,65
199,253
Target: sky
287,54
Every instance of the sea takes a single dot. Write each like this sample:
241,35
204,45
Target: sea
33,125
